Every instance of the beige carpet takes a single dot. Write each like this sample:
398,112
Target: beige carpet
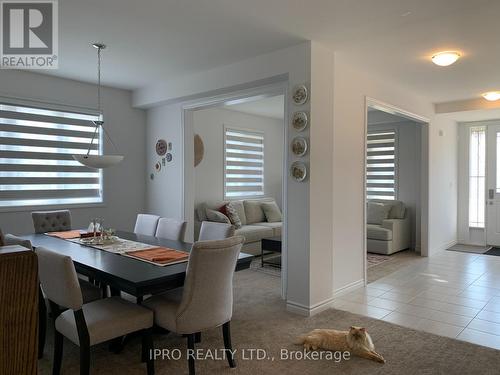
260,321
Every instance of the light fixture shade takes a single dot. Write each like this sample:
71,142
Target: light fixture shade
98,161
492,96
445,58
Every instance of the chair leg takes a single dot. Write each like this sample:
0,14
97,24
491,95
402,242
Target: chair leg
190,354
84,359
147,350
197,337
42,323
58,351
226,332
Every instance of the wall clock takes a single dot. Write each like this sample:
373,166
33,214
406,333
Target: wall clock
161,147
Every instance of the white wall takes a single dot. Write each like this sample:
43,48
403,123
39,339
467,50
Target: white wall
124,184
209,174
409,155
352,86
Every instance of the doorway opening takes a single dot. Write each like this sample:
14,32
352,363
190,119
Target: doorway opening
395,189
234,172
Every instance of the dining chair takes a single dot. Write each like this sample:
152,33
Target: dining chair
171,229
90,323
206,301
146,224
215,231
51,221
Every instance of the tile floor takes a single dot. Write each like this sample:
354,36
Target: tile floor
450,294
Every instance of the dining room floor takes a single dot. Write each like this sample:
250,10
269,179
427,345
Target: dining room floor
451,294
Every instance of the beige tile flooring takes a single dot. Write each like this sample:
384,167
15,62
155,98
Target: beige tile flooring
450,294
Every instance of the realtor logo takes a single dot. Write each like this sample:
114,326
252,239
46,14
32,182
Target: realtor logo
29,34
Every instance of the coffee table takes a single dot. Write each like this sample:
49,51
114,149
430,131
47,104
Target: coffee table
272,244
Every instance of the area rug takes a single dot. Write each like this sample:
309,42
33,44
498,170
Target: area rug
376,259
256,265
261,321
470,249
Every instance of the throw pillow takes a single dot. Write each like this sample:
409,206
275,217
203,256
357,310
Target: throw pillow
377,212
217,216
233,215
223,210
272,212
253,211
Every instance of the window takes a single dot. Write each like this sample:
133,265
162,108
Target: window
36,163
243,163
477,176
381,165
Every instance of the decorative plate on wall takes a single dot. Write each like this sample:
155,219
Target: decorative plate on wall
298,171
161,147
199,149
299,146
300,94
300,120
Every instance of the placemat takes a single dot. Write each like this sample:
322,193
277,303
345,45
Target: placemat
160,255
65,235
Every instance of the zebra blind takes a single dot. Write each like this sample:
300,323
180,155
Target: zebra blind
36,163
381,165
243,163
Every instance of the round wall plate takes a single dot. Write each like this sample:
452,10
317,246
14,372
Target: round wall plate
161,147
298,171
300,94
300,120
299,146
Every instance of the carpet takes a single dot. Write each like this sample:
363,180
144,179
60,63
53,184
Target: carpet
470,249
260,321
256,265
376,259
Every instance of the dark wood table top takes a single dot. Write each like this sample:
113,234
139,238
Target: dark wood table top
124,273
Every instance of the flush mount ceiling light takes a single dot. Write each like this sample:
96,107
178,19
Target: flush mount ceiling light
492,96
98,161
445,58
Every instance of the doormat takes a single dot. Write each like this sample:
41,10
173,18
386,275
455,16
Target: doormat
376,259
470,249
493,251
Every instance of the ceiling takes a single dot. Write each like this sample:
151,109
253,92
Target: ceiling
273,107
152,40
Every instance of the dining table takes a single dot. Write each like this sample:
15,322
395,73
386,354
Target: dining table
123,273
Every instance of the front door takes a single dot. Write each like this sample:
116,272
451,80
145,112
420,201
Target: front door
493,185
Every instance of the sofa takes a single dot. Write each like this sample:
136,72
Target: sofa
388,227
254,226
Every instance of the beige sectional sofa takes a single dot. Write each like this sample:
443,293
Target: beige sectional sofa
254,225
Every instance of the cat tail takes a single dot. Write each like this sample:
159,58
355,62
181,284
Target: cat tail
300,340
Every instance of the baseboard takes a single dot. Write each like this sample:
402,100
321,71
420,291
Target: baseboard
298,308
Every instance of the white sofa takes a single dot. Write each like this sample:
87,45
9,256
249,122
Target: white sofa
391,234
254,225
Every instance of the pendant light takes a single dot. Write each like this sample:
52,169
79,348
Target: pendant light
99,161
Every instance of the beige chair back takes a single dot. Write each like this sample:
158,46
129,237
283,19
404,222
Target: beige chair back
215,231
171,229
146,224
58,278
51,221
207,299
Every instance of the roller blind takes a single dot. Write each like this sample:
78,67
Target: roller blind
243,163
36,164
381,166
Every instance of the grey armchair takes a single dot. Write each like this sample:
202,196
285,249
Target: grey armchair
215,231
51,221
91,323
206,301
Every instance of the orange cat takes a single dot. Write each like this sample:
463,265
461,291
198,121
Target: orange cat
357,341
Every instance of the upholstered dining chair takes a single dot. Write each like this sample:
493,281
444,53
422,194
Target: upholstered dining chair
171,229
146,224
206,301
215,231
91,323
51,221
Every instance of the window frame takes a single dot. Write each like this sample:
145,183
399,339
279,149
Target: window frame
469,159
225,128
396,161
62,108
